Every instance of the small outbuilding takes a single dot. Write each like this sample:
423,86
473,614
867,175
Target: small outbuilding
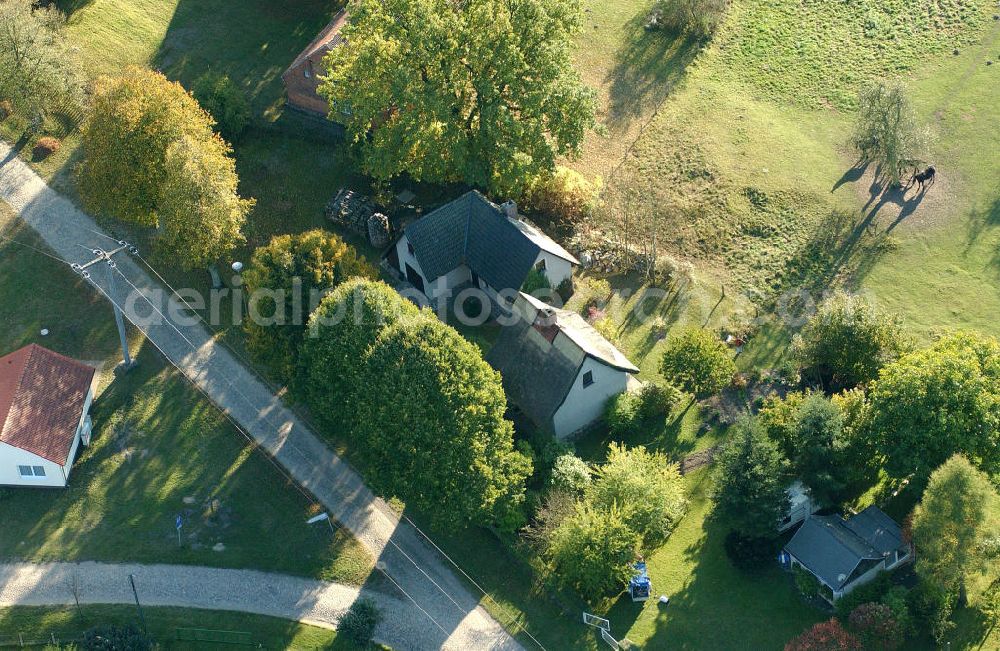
301,79
556,368
45,398
846,553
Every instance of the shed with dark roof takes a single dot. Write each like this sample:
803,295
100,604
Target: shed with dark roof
845,553
44,400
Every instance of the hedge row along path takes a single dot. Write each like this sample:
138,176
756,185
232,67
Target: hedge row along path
438,601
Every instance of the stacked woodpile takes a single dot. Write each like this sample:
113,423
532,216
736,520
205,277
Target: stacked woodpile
356,212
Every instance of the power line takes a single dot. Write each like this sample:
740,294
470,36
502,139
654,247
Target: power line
408,520
267,417
288,443
255,445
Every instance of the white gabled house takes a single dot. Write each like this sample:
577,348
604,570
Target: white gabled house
45,398
472,242
556,368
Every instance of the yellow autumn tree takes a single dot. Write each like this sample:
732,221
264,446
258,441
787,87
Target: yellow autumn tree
152,159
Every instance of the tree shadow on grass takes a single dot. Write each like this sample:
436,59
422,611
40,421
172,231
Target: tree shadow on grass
720,607
843,247
980,222
647,67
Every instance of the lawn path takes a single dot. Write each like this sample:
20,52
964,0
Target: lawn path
450,613
248,591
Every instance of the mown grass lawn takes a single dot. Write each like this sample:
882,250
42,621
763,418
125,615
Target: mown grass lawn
39,623
159,450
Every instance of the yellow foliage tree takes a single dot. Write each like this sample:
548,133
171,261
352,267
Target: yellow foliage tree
151,158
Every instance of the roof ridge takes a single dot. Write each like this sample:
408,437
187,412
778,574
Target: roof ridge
843,524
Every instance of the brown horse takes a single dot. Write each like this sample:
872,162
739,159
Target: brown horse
924,179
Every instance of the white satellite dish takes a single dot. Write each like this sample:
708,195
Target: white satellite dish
44,332
237,266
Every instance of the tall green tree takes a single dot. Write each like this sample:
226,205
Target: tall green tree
886,132
482,92
431,424
287,278
818,441
646,487
37,70
956,515
200,213
847,341
697,361
936,402
750,482
592,551
333,358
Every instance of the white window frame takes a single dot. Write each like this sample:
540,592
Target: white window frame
33,471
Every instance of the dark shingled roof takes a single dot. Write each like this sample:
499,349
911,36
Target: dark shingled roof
42,394
831,548
877,529
535,380
473,231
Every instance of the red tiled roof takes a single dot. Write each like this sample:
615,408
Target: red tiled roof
42,394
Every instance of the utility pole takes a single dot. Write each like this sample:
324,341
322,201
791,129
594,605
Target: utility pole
135,593
106,256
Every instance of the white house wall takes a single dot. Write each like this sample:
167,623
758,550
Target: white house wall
405,257
11,458
556,269
583,405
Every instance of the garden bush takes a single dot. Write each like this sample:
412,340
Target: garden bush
116,638
570,473
700,18
358,625
658,399
309,263
534,281
698,362
623,413
561,201
225,101
876,626
6,109
592,551
44,147
646,486
825,636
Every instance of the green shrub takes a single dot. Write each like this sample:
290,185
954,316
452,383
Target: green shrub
565,289
116,638
570,473
698,362
700,18
646,486
658,399
875,590
592,551
224,100
805,582
430,418
358,625
534,281
308,263
623,413
562,201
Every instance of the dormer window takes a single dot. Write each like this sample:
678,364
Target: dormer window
588,379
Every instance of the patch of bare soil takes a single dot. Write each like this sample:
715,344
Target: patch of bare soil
908,207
